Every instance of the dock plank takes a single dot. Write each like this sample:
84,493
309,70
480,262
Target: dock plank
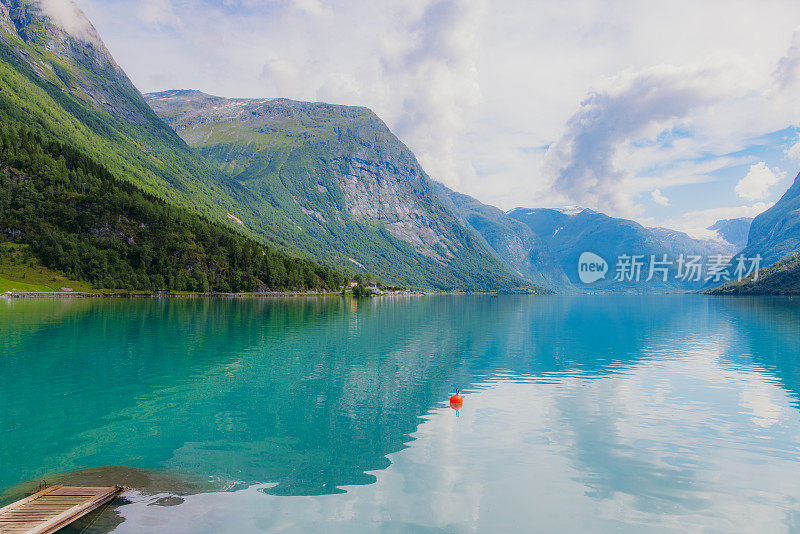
53,508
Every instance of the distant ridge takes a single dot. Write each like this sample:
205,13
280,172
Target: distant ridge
570,232
734,231
512,242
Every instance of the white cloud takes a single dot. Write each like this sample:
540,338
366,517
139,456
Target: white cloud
159,13
758,181
480,93
436,69
679,171
306,7
787,72
69,17
312,7
793,152
659,198
635,106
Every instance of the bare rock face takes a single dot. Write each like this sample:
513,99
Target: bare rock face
386,189
733,231
316,180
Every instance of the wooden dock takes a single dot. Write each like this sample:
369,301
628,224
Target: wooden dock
53,508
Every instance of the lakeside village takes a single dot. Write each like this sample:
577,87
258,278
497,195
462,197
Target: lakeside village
359,287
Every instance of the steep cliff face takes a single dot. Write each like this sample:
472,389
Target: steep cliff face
341,183
323,182
89,147
58,78
775,234
64,49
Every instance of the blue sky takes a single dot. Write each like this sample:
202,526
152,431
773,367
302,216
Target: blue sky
672,113
718,193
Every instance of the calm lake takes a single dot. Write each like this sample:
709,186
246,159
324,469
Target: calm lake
581,414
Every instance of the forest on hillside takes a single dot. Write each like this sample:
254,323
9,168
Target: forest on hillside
81,220
780,278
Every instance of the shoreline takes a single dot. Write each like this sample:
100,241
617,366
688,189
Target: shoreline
275,294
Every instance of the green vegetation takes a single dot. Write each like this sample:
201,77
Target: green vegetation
21,270
82,99
12,285
360,290
781,278
775,233
140,148
77,218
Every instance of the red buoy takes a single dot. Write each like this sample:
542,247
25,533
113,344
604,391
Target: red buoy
456,399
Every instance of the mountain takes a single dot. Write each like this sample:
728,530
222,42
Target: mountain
681,243
734,231
512,242
58,78
95,183
339,187
775,233
780,278
569,233
79,219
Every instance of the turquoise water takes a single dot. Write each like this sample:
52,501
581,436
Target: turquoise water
626,413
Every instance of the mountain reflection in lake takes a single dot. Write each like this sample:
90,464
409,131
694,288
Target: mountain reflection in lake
580,413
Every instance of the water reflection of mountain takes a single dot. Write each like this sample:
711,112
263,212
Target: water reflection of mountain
768,332
717,363
309,393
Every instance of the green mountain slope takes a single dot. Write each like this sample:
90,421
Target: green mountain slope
82,221
69,88
341,185
512,242
780,278
775,236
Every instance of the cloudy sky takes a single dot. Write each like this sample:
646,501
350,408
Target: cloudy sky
672,113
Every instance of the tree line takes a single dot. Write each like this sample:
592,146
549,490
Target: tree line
81,220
